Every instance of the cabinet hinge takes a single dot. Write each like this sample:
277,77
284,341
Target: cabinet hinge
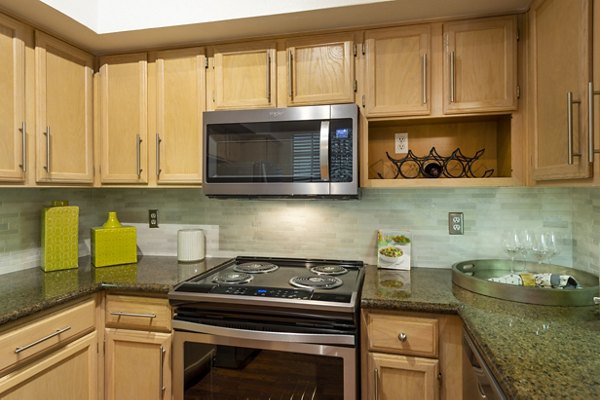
205,62
355,86
364,43
518,92
355,49
363,100
518,34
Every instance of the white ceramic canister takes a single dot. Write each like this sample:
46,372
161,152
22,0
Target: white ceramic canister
190,245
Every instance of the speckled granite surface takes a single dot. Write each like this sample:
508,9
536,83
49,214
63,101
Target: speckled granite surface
26,292
535,352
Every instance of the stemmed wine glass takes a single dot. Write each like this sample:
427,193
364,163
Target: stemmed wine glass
510,241
524,244
539,247
551,246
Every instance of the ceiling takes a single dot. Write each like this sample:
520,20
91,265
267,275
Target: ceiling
113,26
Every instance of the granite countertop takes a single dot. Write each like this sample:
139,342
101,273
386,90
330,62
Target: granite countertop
535,352
26,292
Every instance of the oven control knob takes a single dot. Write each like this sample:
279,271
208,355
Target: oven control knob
402,337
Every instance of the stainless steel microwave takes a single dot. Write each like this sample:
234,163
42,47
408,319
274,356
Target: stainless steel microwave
284,152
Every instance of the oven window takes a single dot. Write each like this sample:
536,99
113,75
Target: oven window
224,372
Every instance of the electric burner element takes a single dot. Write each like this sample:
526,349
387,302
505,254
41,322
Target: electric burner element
232,278
316,282
329,270
256,268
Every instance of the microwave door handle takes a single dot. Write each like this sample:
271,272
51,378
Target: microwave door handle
324,151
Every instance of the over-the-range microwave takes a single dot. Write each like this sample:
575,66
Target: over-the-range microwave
307,151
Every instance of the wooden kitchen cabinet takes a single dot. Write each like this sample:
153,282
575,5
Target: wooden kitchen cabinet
561,40
123,119
64,112
480,65
137,338
13,129
319,70
179,77
53,356
242,76
409,355
398,71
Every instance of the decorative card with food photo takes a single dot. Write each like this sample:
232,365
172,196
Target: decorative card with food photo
393,249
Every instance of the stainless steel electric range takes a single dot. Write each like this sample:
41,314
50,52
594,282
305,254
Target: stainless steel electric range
289,324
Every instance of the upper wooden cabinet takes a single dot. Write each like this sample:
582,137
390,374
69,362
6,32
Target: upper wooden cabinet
243,76
123,119
560,33
13,130
319,70
63,87
397,71
480,65
179,76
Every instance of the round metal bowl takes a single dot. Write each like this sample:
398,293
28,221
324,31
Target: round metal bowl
473,275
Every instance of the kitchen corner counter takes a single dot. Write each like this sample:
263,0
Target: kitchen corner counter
26,292
535,352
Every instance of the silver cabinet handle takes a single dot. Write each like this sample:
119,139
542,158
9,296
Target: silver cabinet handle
138,149
424,78
23,146
158,141
376,378
570,103
596,300
591,146
161,385
452,77
324,151
50,336
402,337
268,77
128,314
290,68
47,133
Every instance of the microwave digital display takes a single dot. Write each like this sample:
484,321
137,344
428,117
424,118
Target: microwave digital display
342,133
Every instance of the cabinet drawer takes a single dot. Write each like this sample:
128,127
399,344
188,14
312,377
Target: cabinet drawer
142,313
402,334
47,331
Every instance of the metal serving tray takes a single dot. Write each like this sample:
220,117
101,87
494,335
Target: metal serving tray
473,275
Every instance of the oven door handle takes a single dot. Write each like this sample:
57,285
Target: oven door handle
291,337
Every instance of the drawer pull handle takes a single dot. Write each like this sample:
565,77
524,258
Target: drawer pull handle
127,314
50,336
402,337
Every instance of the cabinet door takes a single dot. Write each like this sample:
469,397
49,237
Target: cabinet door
480,65
399,377
123,119
13,158
398,71
180,93
561,63
243,76
63,111
320,70
67,374
138,365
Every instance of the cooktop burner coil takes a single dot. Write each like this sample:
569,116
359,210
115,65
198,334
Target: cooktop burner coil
256,268
316,282
232,278
329,270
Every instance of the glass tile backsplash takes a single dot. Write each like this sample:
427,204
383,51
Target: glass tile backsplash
322,228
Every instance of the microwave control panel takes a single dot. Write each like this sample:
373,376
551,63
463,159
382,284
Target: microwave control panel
340,150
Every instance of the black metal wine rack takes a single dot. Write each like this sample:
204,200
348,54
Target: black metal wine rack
433,165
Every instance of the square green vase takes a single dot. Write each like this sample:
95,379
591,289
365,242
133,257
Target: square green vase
60,234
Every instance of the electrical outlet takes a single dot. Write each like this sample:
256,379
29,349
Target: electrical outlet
456,223
401,143
153,218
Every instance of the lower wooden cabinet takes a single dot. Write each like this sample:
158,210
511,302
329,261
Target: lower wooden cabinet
66,374
137,365
411,356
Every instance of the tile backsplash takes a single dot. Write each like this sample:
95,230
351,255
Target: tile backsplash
319,228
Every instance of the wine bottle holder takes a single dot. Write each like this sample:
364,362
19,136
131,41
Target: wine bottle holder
433,165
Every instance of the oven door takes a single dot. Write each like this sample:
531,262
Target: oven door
224,363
